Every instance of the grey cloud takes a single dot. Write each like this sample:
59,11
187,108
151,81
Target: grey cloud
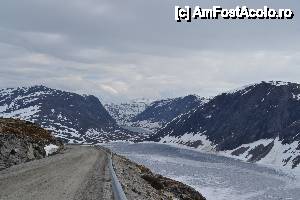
128,49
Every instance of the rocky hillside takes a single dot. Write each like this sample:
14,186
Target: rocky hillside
72,117
258,123
160,112
22,141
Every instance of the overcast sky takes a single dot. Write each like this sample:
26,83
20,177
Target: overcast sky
119,50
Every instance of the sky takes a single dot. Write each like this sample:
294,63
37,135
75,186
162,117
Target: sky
120,50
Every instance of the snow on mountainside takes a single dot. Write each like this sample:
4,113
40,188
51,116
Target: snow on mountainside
258,123
124,112
268,151
72,117
160,112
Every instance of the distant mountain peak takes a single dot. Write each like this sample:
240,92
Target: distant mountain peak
160,112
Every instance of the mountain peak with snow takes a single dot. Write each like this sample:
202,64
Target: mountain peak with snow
267,110
70,116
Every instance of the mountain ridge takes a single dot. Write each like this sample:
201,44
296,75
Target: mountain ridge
72,117
256,123
160,112
267,110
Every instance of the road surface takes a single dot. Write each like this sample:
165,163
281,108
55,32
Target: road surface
77,174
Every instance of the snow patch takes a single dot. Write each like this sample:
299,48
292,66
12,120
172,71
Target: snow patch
147,125
189,138
51,149
278,83
297,97
241,89
279,155
3,108
24,113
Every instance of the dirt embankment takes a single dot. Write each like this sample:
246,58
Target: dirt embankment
140,183
22,141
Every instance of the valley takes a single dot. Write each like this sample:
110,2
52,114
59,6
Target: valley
256,123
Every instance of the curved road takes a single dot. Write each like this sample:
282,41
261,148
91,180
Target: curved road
77,174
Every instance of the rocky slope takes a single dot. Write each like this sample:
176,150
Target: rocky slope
72,117
138,182
258,123
22,141
160,112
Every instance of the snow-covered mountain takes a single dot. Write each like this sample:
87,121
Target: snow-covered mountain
72,117
258,123
124,112
160,112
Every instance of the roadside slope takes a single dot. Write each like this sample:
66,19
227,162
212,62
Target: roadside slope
22,141
138,182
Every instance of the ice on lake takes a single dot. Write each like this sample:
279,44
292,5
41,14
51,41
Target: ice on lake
216,177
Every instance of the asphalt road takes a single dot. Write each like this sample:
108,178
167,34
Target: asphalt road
77,174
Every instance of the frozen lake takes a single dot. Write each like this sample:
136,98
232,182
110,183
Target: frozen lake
216,177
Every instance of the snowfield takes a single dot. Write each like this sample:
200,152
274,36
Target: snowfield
281,155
